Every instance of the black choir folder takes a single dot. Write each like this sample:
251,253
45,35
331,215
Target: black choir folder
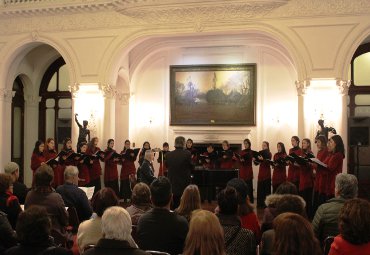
129,151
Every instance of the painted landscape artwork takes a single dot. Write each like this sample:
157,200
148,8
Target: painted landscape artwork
213,94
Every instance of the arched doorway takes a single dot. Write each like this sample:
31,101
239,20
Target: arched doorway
55,111
17,134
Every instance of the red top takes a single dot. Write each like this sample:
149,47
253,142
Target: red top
305,177
95,170
227,163
343,247
321,174
246,169
279,174
335,166
110,171
293,170
128,167
84,172
36,160
58,170
250,222
264,172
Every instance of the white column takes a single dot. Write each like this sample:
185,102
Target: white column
31,116
6,97
122,113
109,119
303,124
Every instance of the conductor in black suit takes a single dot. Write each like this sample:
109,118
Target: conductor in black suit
179,169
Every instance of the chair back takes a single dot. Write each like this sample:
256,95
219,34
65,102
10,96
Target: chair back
158,253
327,244
74,221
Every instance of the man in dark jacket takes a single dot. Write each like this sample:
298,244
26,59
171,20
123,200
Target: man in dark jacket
179,169
146,171
325,222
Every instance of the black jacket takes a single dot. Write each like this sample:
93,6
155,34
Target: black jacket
8,237
145,173
45,248
113,247
179,170
20,191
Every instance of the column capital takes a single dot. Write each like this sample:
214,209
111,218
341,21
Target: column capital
123,98
343,86
6,95
74,89
108,91
32,100
302,86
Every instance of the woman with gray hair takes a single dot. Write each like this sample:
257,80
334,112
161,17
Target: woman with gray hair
146,171
117,239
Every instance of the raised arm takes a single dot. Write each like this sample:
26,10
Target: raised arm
78,123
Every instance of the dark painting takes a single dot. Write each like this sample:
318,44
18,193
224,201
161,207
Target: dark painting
213,94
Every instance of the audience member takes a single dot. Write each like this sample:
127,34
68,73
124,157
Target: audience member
44,195
325,222
287,203
141,203
246,212
145,173
8,202
89,231
179,165
269,212
354,229
294,235
73,196
160,229
19,189
8,237
117,239
190,201
205,235
33,232
237,239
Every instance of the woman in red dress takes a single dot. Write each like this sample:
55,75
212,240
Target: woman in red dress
306,177
246,169
226,156
321,175
264,175
334,163
192,150
38,157
162,157
95,171
65,159
51,153
279,174
84,166
111,170
293,169
128,169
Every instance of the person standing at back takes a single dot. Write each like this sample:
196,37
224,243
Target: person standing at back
179,169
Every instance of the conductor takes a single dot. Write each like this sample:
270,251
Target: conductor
179,169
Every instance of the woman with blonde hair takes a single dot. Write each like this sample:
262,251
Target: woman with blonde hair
205,235
190,201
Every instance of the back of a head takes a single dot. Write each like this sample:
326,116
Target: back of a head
33,226
116,224
161,191
102,200
140,194
228,201
180,142
5,182
287,188
43,176
346,186
354,221
70,172
205,235
190,200
11,167
291,203
241,187
294,235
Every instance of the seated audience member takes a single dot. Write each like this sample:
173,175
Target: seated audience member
89,231
8,237
205,235
145,173
44,195
269,212
73,196
287,203
141,203
33,232
160,229
246,211
354,229
19,189
117,239
190,201
325,222
238,240
8,202
294,235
